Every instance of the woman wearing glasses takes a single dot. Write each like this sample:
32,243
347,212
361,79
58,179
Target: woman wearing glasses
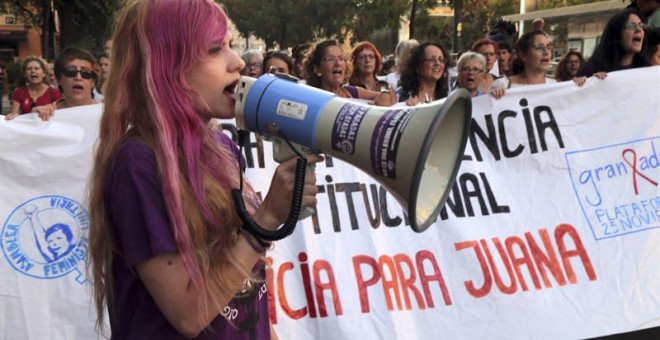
568,66
36,96
326,69
367,62
254,61
620,46
471,66
76,72
424,76
534,54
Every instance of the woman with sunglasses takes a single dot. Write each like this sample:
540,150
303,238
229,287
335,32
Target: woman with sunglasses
424,76
169,255
326,69
620,46
36,96
76,72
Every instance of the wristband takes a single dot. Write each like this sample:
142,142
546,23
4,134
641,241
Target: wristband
257,245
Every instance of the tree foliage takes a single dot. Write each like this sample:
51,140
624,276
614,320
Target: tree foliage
84,23
372,15
288,22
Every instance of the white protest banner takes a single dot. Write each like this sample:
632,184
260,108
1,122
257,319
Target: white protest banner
551,232
44,290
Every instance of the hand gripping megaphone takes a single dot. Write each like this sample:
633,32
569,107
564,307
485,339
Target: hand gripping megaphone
414,152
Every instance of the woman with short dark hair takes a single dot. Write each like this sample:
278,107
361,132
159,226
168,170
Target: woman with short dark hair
76,72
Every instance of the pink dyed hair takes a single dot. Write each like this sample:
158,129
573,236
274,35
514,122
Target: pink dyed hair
156,44
171,50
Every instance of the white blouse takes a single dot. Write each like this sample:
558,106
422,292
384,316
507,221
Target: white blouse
503,83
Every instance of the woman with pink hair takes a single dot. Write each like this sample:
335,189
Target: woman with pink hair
169,255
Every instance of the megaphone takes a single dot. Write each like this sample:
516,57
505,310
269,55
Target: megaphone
414,152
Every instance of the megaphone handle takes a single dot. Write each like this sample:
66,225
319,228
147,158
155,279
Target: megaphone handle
282,151
307,211
296,202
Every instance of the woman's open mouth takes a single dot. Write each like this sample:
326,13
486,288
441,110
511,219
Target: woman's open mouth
77,89
230,90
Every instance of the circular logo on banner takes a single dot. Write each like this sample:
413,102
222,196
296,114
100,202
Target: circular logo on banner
46,237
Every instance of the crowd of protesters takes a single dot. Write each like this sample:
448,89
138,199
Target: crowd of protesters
75,78
425,72
415,73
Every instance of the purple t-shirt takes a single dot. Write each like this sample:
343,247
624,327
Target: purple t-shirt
136,207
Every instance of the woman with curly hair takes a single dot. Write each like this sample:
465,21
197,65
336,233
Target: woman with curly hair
36,95
568,66
424,76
